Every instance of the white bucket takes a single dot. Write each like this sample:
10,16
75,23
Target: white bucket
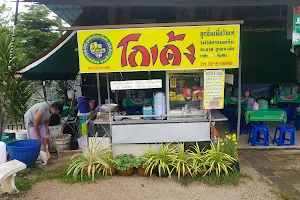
63,142
3,155
21,135
55,131
70,94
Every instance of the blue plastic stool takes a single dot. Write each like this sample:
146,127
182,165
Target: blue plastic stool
297,123
255,135
289,113
282,136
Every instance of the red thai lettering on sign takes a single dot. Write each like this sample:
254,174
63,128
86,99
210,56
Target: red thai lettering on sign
297,10
169,55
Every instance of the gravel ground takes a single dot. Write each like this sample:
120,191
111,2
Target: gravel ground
130,188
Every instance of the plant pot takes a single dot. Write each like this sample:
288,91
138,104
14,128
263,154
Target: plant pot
181,172
236,155
85,170
111,171
163,174
202,171
237,166
125,172
142,171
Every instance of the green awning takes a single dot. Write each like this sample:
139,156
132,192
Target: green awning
60,62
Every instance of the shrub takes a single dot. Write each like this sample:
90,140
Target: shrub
217,161
162,160
229,144
182,162
92,161
197,159
125,161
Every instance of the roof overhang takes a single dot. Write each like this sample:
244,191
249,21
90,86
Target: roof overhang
68,13
167,2
60,62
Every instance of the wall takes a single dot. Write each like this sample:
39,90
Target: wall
266,58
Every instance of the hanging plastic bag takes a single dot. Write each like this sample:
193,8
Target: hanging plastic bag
82,142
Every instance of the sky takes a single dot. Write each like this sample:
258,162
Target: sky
22,8
12,4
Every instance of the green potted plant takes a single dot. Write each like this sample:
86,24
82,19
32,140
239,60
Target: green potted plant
125,164
160,160
139,164
91,161
217,161
196,155
112,166
229,145
182,162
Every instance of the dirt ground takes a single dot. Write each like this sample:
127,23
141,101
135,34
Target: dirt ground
254,188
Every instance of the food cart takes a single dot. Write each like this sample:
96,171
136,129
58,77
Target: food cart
177,106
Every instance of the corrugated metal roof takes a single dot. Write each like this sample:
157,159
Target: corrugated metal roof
68,13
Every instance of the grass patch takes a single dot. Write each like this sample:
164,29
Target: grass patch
85,178
284,195
27,178
298,171
212,179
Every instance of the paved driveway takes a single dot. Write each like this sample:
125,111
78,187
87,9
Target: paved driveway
282,167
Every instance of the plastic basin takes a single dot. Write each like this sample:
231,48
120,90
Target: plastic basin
26,151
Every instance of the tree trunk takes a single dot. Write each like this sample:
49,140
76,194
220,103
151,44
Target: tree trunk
44,91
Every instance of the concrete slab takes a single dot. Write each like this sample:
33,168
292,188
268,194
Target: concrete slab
290,176
279,166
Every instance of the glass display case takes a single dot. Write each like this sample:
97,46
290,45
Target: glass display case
186,94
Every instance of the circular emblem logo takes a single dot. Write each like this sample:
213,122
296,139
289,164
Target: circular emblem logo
97,49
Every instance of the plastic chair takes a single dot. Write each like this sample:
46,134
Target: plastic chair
255,135
282,136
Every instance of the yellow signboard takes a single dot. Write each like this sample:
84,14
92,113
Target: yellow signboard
214,83
156,49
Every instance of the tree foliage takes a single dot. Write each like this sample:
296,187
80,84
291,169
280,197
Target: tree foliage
36,31
14,93
5,15
19,93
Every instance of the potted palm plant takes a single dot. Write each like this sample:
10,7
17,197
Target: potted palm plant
112,166
160,160
91,161
125,164
217,161
182,162
196,155
229,145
